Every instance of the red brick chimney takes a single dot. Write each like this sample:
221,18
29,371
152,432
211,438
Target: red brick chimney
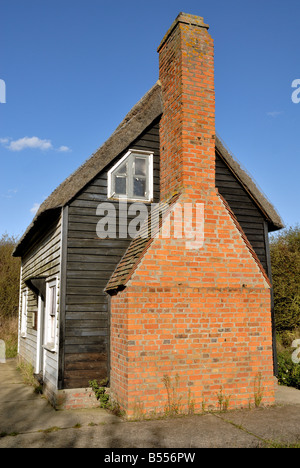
187,130
198,320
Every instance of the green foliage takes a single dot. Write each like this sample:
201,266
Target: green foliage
100,392
9,278
285,261
288,371
102,395
9,294
9,333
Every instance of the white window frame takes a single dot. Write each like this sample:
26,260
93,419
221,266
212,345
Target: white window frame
50,338
24,307
149,181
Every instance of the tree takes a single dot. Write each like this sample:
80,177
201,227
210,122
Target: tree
9,278
285,261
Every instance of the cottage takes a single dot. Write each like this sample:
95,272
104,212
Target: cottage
97,302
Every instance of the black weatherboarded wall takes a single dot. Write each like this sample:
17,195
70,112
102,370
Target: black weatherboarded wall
89,265
246,211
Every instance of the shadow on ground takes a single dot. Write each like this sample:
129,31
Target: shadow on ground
28,421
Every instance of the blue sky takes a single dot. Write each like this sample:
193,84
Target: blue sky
74,68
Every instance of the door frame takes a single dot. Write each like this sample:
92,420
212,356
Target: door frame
40,336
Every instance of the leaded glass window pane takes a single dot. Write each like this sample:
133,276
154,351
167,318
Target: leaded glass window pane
139,187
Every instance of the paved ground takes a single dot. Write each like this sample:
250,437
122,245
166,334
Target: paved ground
28,421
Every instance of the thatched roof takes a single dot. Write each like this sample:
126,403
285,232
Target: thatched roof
149,108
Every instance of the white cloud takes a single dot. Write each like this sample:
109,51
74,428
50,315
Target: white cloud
63,149
35,208
274,113
32,142
10,193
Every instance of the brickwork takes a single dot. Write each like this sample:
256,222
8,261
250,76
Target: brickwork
201,314
213,339
204,315
79,398
187,130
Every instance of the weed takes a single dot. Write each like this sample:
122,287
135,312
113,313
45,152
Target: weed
283,445
102,395
173,406
115,409
139,411
258,391
223,401
50,429
27,373
100,391
38,389
203,404
191,403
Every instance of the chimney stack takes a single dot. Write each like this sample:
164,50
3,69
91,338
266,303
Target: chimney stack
186,72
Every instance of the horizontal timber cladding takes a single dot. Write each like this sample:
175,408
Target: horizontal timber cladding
42,259
246,211
90,263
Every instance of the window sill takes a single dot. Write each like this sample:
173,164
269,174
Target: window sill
23,335
50,347
129,200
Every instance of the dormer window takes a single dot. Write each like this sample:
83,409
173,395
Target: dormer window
132,177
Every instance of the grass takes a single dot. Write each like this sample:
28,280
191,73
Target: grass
77,426
9,334
27,373
50,429
284,445
11,434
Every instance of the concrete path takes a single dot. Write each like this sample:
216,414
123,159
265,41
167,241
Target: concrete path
28,421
